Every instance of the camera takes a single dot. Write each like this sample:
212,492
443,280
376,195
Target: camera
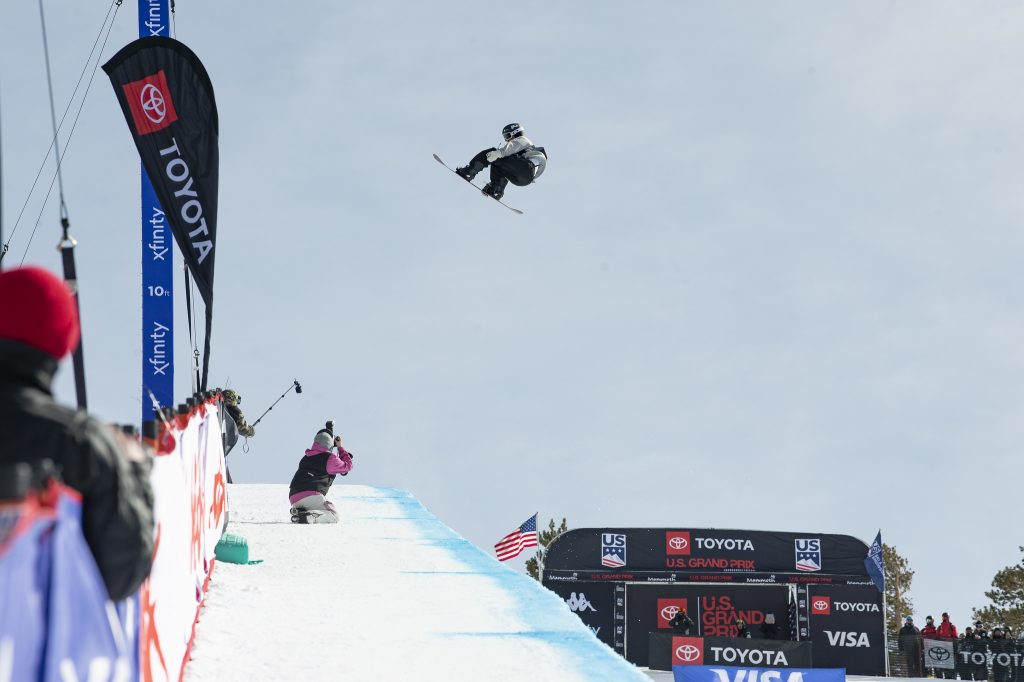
330,426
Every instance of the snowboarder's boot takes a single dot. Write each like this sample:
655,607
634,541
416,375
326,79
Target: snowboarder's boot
299,515
468,172
495,189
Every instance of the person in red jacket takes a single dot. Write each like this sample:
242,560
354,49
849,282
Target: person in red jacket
946,629
929,628
946,632
928,632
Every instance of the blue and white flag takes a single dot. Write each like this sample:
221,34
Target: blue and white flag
873,562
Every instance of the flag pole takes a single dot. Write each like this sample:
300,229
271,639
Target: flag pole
543,553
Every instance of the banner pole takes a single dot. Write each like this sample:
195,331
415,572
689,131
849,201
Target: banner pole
885,633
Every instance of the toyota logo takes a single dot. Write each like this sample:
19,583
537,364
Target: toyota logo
152,101
820,604
687,652
937,653
669,612
678,543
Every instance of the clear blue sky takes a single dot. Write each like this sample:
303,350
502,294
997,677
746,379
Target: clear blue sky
770,279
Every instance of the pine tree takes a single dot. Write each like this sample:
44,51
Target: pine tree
898,576
1007,595
544,539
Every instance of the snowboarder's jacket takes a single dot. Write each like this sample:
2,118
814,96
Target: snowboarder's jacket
117,501
522,146
928,631
317,470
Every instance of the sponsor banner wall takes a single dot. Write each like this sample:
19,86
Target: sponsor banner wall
683,550
737,578
594,603
60,623
761,653
975,658
713,609
666,650
847,626
707,673
190,506
56,619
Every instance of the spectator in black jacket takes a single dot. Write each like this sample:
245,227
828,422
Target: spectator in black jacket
968,649
681,622
38,327
1001,649
910,644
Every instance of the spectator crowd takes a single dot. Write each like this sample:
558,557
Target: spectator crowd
978,654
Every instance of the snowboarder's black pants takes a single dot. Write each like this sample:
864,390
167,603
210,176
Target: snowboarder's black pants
514,169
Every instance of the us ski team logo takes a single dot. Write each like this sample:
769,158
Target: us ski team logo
613,550
808,554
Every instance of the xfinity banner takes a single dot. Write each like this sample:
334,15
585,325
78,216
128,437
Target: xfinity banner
666,650
709,673
157,263
624,550
167,99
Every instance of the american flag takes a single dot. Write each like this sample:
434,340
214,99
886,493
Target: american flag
515,542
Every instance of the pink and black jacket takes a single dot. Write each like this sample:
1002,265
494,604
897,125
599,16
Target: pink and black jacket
317,470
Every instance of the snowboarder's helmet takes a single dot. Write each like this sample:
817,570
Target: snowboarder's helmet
511,130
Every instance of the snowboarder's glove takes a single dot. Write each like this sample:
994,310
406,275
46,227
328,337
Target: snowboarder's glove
493,156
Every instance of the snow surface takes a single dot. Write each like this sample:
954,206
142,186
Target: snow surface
389,593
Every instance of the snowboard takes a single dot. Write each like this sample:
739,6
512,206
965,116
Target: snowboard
514,210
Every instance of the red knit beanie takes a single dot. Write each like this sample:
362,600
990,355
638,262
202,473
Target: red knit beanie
37,309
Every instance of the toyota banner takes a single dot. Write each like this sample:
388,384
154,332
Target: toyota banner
847,627
816,585
666,650
714,610
167,99
635,551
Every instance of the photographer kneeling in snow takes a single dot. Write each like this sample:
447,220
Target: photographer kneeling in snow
314,477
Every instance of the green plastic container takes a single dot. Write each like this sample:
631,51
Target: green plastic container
234,549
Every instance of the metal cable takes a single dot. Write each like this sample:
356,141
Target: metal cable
114,6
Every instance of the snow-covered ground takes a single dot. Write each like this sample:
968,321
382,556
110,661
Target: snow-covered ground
390,593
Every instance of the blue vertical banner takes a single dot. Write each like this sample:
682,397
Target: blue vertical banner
873,562
157,261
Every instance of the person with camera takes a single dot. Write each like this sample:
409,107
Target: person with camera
38,327
325,459
681,622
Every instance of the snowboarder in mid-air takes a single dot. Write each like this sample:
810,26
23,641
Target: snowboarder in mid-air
518,161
